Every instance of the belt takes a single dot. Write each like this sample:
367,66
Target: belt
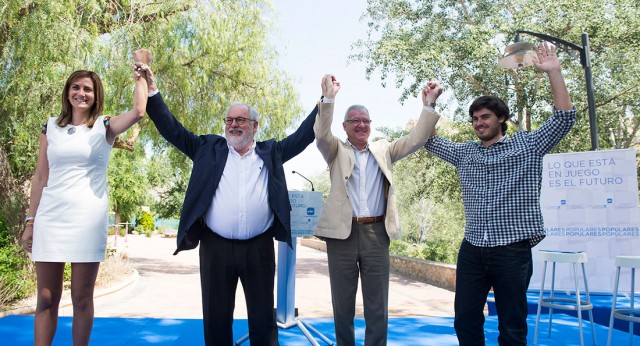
367,219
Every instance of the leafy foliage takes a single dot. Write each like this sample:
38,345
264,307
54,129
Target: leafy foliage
167,203
128,183
144,221
429,201
460,42
16,281
206,55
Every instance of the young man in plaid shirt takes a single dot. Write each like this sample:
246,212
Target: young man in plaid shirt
500,178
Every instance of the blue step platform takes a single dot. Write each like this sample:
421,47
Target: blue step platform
601,308
414,331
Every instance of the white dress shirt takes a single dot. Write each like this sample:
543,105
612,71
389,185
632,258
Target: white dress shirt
240,206
365,185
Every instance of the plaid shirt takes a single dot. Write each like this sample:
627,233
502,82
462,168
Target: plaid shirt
501,183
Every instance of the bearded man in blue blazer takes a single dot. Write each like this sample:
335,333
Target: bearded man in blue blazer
235,204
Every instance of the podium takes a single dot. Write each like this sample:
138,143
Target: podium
306,207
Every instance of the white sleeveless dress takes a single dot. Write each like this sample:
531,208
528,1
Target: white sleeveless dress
72,218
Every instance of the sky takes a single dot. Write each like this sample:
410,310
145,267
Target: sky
314,38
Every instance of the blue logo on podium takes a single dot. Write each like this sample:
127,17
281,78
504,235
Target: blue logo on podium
311,211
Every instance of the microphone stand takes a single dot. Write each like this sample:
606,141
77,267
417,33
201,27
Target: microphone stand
305,178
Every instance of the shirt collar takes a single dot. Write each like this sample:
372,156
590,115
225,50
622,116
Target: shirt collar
501,140
233,150
366,148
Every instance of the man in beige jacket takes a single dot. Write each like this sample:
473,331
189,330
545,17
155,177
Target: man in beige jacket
360,216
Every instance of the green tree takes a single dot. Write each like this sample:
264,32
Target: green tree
128,183
460,42
429,199
206,54
168,194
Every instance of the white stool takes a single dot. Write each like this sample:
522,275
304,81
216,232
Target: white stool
628,314
565,303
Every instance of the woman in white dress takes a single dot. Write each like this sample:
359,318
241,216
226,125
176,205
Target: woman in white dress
68,207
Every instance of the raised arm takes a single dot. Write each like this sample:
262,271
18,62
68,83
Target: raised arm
423,129
327,143
166,123
548,62
545,138
124,121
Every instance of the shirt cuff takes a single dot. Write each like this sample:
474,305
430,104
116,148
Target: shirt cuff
565,111
152,93
430,140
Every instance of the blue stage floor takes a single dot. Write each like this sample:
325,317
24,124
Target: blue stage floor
601,307
18,331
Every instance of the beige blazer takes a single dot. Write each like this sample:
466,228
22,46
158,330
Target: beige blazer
335,220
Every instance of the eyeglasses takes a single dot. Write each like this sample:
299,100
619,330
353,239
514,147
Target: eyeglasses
239,120
357,121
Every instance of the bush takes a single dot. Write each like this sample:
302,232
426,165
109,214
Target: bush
66,275
144,222
17,279
121,230
440,239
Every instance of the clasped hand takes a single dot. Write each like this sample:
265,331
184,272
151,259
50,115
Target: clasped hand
431,92
330,86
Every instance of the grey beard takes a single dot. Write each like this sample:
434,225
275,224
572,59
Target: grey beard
239,143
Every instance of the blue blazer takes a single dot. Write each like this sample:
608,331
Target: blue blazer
209,156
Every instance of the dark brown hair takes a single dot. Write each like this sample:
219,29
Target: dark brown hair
98,104
494,104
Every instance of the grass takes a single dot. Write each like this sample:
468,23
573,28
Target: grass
7,293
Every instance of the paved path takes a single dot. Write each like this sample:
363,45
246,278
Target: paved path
169,287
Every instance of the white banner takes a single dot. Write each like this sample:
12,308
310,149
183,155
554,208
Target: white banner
306,207
589,202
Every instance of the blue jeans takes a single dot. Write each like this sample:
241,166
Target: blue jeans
508,270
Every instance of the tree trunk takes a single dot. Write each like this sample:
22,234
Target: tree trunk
116,222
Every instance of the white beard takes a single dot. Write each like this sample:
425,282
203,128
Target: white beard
240,143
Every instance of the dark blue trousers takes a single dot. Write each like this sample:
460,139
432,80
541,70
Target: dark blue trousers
508,270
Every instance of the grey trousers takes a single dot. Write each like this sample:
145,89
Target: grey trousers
364,253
